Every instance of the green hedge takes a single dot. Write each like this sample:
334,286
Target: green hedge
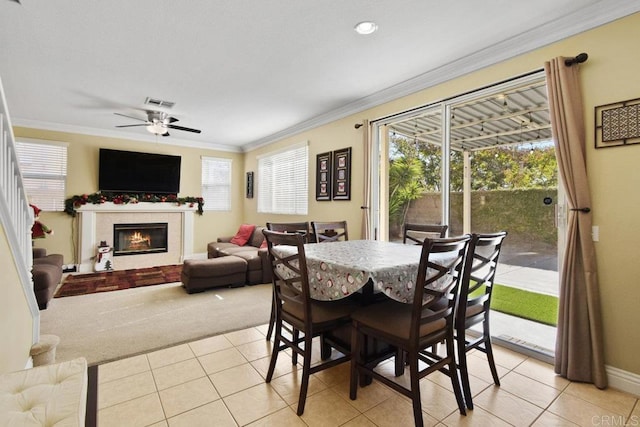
521,212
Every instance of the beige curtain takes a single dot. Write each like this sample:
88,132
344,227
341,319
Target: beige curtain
366,188
579,346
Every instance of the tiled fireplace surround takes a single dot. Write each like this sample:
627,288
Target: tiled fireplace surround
96,224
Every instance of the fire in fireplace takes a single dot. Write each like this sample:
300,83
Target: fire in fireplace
141,238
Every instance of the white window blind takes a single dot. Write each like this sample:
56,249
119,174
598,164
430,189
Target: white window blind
283,181
44,173
216,184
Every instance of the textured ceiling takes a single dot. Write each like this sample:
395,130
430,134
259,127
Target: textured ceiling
249,72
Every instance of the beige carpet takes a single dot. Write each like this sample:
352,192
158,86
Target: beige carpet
111,325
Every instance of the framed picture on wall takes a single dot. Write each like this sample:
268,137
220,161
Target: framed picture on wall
341,174
323,176
249,185
617,124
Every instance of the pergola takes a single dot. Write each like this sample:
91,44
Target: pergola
512,117
516,116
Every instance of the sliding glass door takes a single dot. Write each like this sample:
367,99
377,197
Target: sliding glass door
415,171
480,162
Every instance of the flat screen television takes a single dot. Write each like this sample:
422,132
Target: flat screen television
133,172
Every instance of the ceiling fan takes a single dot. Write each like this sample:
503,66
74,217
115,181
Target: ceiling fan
158,123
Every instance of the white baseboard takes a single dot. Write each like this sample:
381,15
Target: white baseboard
623,380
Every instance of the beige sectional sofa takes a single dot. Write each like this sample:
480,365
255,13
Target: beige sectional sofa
257,258
46,273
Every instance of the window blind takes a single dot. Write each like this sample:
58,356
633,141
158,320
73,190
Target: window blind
216,184
44,173
283,181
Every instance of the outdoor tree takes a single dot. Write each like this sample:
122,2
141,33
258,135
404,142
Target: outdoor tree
405,184
415,167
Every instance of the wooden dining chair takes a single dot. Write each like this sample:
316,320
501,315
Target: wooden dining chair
416,233
301,228
329,231
299,312
416,327
475,303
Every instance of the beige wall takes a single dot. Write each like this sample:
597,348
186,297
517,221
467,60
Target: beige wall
15,317
82,177
327,138
610,75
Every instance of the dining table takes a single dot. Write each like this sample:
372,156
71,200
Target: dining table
337,270
373,268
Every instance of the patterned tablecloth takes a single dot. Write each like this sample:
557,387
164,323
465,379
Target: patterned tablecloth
338,269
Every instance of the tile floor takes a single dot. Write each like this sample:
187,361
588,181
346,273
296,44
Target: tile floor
219,381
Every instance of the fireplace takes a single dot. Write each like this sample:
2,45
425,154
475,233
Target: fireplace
96,224
141,238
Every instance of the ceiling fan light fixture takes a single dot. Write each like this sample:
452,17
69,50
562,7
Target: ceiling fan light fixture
157,129
157,123
366,27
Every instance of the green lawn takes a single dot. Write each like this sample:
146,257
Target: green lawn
537,307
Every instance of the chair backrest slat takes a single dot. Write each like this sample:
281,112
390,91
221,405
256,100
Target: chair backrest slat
289,268
438,281
479,272
416,233
291,227
332,231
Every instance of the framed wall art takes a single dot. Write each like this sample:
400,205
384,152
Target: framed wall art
323,176
617,124
249,185
342,174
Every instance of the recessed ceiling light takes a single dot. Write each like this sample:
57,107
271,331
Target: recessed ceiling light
366,27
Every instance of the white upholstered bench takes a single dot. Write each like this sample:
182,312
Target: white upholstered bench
49,395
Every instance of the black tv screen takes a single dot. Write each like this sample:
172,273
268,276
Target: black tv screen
133,172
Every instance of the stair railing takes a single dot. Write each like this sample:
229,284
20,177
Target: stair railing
15,214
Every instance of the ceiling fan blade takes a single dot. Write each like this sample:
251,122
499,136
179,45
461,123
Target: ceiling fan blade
183,128
172,120
131,117
129,126
166,134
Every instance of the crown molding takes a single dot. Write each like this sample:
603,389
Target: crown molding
587,18
58,127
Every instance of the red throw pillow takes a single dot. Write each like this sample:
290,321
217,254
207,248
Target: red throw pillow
264,244
243,235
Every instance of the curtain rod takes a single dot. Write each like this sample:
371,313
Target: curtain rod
420,107
579,59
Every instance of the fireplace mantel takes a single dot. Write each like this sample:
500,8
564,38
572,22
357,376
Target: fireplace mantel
136,207
88,222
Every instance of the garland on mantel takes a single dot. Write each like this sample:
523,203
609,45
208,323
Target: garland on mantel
72,203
